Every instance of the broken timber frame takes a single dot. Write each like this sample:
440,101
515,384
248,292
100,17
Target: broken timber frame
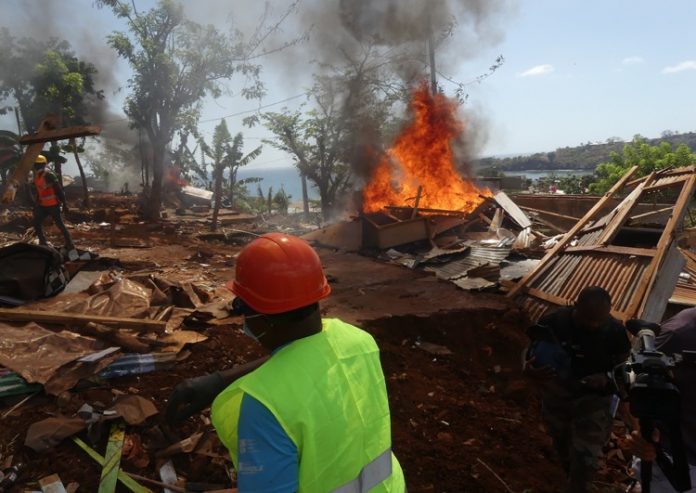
637,266
47,132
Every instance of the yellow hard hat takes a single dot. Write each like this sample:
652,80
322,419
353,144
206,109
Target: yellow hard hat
41,159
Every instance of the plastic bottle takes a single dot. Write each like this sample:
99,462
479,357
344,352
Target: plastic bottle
10,476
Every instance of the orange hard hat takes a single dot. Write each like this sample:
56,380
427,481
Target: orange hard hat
278,273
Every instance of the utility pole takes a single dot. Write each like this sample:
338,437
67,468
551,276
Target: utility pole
431,56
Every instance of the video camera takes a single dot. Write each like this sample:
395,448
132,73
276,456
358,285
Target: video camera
646,380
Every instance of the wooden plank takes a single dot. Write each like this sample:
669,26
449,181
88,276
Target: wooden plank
127,481
666,184
618,250
548,297
60,134
112,459
637,305
623,211
444,212
663,287
541,268
647,215
61,318
549,213
550,225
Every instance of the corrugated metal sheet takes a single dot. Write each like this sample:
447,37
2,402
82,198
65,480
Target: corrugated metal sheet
628,274
685,290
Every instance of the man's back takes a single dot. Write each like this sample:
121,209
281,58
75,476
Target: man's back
328,393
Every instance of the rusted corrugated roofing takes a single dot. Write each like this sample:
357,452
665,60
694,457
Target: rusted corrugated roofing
636,265
685,290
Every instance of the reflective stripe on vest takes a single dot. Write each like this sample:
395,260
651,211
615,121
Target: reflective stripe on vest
47,196
371,475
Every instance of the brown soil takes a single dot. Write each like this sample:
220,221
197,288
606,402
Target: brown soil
458,419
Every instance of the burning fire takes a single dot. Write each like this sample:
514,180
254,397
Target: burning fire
422,156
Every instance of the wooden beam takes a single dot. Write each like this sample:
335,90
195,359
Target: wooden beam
646,215
548,297
623,211
543,265
619,250
549,213
60,134
61,318
669,184
639,301
549,224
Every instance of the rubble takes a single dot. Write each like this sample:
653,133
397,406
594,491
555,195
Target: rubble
632,255
441,346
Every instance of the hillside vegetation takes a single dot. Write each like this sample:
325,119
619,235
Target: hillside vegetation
582,157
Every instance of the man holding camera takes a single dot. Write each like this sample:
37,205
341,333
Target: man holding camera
677,335
571,354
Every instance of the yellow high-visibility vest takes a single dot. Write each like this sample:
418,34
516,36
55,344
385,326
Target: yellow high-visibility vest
328,393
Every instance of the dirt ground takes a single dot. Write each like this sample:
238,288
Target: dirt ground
464,421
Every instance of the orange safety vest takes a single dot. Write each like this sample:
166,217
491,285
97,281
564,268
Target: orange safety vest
47,195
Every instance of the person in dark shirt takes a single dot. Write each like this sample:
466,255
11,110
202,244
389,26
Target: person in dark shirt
571,354
677,334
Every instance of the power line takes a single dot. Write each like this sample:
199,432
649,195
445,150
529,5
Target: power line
255,110
230,115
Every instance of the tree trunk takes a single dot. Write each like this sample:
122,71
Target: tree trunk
233,182
270,200
305,197
155,203
326,208
218,195
85,192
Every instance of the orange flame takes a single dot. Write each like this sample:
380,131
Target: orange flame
422,156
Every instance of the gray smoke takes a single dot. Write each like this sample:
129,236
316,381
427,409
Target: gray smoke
393,37
47,20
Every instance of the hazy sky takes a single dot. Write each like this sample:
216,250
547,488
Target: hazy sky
575,71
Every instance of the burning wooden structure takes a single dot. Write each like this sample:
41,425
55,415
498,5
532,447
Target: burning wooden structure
633,255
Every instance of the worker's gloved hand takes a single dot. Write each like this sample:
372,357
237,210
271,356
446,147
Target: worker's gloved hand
193,395
65,208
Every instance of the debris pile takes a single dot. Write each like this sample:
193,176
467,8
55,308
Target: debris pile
631,254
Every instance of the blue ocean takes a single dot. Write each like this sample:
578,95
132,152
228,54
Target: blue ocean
286,177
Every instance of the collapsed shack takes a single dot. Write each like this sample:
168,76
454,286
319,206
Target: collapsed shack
478,250
631,254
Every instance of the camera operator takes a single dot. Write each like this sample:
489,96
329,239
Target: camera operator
571,353
677,334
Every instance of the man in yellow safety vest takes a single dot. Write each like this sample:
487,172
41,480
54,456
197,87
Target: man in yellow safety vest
314,416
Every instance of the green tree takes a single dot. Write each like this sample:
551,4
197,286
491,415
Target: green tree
43,77
175,63
647,157
235,160
226,153
219,153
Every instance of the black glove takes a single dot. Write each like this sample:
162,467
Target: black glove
194,395
65,208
